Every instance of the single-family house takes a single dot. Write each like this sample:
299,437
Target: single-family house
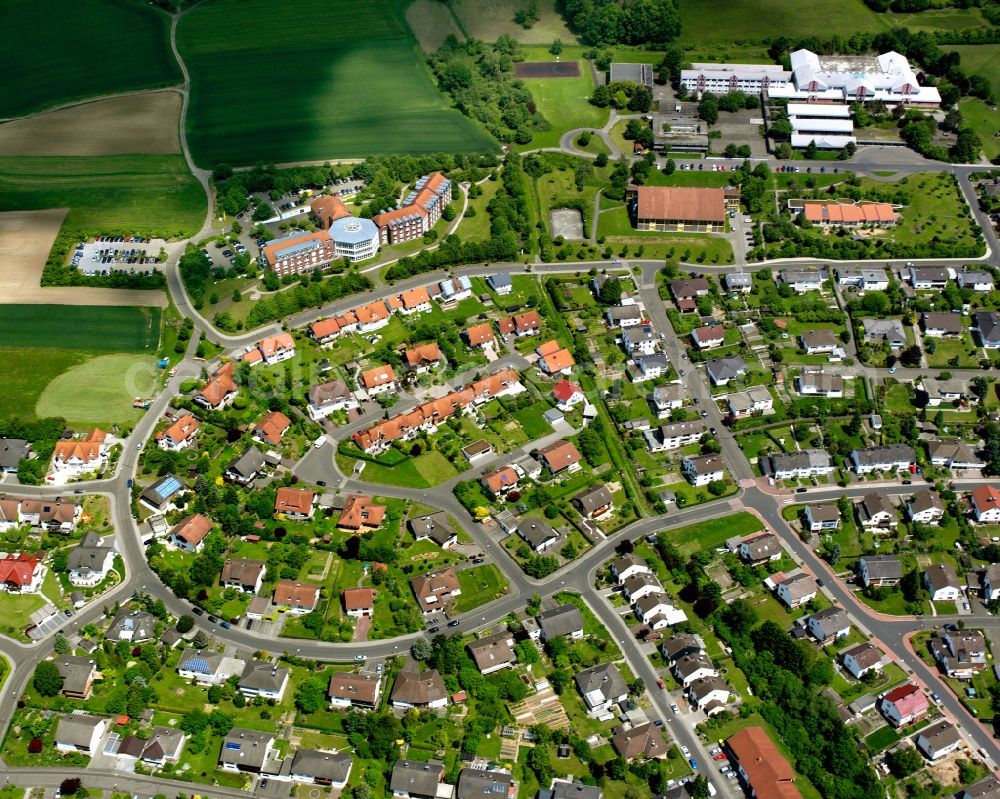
90,561
560,456
359,602
813,382
493,652
261,678
80,733
721,370
884,331
821,516
272,428
247,751
879,570
642,741
940,325
985,503
294,503
361,514
595,502
708,337
244,574
537,533
179,434
760,548
327,398
925,507
601,687
208,668
315,767
354,690
893,457
938,740
700,470
829,624
861,659
797,590
190,532
434,527
78,674
435,589
876,513
559,622
294,597
709,694
423,690
799,464
942,582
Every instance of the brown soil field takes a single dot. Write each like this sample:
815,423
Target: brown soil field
431,22
136,123
25,240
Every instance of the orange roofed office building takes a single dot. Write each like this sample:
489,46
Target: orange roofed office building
419,212
428,415
849,214
678,208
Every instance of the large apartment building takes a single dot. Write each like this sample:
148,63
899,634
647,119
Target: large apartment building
419,212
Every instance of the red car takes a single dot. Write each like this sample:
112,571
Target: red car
720,756
660,683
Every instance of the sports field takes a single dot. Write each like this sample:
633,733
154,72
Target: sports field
100,391
56,51
312,80
91,328
153,195
563,101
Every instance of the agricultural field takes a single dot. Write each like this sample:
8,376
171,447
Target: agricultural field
432,23
983,59
67,51
308,78
151,195
80,327
134,123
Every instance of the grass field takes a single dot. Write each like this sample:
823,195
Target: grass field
488,19
27,371
152,195
100,391
565,102
617,228
985,121
713,532
983,59
96,329
266,87
480,584
65,51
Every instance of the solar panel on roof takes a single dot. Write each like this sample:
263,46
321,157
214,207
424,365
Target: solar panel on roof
231,745
169,486
197,664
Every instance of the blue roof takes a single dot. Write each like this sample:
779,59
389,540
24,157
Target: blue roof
169,486
351,230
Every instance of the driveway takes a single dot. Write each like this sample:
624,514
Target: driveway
362,627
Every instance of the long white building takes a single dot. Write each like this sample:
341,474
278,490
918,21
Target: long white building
725,78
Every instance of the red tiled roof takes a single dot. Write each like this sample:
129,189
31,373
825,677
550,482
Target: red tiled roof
423,354
499,479
193,529
359,598
560,455
379,376
479,334
768,772
360,512
294,500
17,569
437,410
869,213
563,390
219,386
548,348
681,204
986,498
181,430
272,427
324,328
557,361
415,297
295,595
329,209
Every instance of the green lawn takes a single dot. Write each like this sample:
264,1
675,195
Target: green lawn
983,59
150,195
65,51
564,102
280,83
616,226
948,348
423,471
16,610
100,391
985,121
713,532
27,371
480,585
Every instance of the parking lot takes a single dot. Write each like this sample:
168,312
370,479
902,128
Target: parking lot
109,254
